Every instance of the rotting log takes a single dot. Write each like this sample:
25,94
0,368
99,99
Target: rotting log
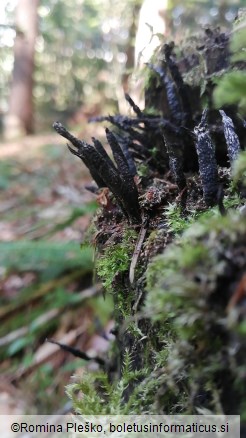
178,300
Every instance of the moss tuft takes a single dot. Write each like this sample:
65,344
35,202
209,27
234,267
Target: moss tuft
175,221
115,259
96,395
239,169
188,291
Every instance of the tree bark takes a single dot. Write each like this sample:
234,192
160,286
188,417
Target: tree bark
19,119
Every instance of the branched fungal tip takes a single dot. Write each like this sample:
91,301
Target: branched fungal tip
58,127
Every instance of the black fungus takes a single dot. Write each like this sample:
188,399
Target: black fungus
207,161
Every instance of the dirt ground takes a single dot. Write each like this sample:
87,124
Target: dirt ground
44,207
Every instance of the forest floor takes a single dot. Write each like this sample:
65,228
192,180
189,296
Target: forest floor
46,287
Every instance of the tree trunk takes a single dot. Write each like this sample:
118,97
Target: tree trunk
19,119
151,23
151,29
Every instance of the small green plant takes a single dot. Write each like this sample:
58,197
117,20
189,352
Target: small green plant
98,396
116,259
187,296
231,90
239,169
176,223
231,87
143,170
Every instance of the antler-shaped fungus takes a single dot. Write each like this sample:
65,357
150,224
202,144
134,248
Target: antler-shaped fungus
118,179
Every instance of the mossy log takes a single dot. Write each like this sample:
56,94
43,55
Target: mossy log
171,242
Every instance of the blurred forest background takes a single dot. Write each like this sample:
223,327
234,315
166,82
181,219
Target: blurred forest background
63,61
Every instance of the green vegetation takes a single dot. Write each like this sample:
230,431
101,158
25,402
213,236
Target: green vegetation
95,37
115,259
191,330
56,266
187,292
50,259
175,222
189,298
101,397
232,90
188,358
80,56
239,170
185,363
178,222
143,170
231,87
45,284
111,266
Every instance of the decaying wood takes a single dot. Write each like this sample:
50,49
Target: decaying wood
184,151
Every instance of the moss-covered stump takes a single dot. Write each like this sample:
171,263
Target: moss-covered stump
170,240
196,292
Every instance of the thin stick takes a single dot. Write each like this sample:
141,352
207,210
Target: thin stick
77,353
136,252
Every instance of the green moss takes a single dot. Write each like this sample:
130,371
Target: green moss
188,293
154,152
152,237
135,330
231,87
149,77
191,354
239,169
116,259
231,90
123,303
176,223
189,358
98,396
143,170
151,111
